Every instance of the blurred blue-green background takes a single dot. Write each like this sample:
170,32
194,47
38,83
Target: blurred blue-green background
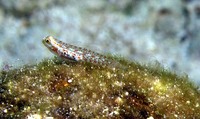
148,31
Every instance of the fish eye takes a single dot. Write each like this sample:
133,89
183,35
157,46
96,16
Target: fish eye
47,41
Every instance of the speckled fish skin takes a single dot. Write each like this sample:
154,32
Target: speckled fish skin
74,53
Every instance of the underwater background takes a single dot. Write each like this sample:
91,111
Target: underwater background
148,31
149,68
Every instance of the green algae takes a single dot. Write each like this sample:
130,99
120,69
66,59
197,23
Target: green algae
61,89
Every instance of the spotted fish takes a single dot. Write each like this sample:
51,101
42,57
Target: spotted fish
74,53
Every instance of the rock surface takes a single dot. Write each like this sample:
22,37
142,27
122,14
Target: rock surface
60,90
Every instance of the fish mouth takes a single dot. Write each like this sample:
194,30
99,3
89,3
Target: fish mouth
44,42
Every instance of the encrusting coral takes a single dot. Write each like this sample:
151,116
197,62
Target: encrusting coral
61,89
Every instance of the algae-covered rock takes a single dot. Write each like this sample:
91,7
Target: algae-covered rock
59,89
